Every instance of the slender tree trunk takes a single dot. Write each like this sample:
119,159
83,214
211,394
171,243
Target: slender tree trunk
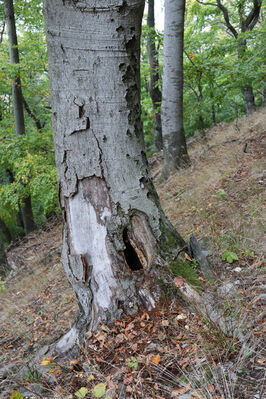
174,142
155,92
14,59
27,214
202,126
249,99
4,268
5,230
115,233
248,95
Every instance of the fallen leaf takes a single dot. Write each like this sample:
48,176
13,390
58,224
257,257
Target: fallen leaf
99,390
202,279
165,323
187,257
155,359
81,393
181,316
178,391
179,281
16,395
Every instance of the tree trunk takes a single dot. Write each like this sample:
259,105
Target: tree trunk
202,126
115,232
14,59
155,93
174,142
27,215
249,99
4,268
5,230
17,98
248,95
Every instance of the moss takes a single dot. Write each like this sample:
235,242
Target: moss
180,267
170,240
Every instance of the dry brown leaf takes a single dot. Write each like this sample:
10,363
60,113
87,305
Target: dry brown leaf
187,257
155,359
202,279
179,281
179,391
165,323
181,316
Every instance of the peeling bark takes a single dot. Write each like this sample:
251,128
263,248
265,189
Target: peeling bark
115,232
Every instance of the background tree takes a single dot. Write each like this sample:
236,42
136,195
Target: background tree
248,16
154,89
27,166
26,209
174,142
116,236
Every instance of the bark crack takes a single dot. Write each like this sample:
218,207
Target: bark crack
100,156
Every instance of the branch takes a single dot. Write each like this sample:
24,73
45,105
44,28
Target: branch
32,115
253,16
225,14
207,4
197,70
194,91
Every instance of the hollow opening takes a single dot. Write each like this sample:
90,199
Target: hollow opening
131,256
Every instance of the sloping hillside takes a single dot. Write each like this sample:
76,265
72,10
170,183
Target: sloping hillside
169,352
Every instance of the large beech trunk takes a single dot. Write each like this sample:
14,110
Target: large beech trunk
174,142
115,232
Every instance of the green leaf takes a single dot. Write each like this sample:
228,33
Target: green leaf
16,395
81,393
133,362
99,390
229,256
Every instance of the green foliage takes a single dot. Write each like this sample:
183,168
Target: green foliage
32,375
133,362
27,165
16,395
99,390
181,267
2,285
82,392
229,256
221,194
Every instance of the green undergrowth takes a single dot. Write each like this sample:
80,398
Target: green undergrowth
184,268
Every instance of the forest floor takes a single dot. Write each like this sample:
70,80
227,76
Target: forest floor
170,352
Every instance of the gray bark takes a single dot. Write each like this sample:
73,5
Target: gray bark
155,92
174,142
115,232
17,98
249,99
